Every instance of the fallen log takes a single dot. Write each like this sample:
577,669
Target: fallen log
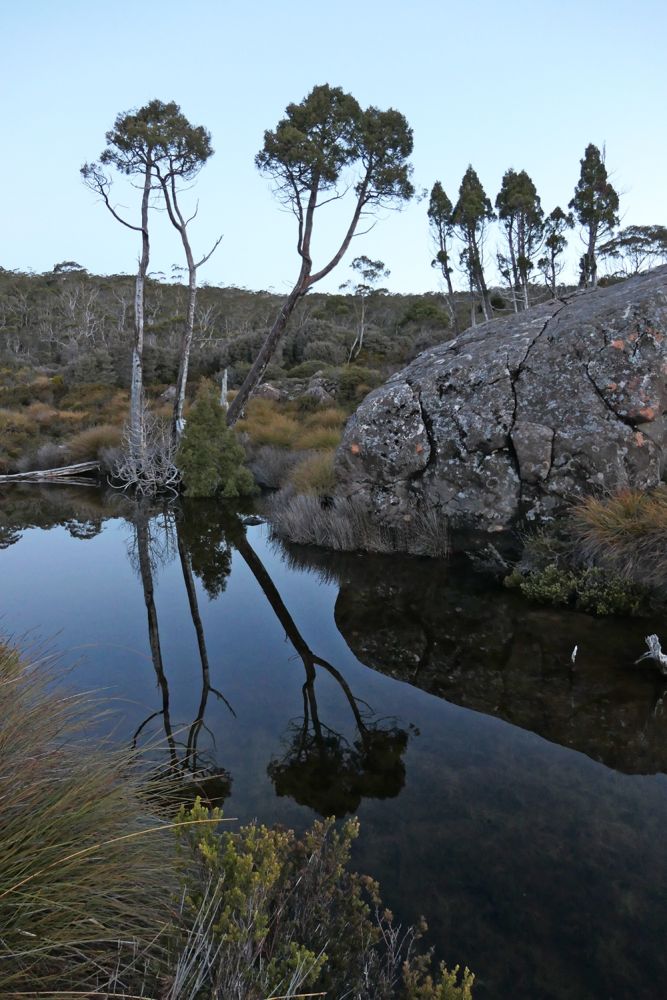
62,474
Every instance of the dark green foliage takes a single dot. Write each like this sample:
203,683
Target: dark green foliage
555,226
472,213
520,213
210,458
425,313
156,132
595,204
353,382
328,145
603,592
595,590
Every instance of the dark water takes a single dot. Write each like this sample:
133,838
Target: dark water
516,801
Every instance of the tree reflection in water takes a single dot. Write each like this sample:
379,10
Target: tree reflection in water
200,773
320,767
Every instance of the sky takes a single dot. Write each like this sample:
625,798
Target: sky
496,85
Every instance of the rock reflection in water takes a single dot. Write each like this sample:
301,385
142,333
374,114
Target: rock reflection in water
443,630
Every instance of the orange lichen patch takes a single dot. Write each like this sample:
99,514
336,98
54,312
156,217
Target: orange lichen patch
419,448
632,337
648,413
639,438
355,449
618,344
612,387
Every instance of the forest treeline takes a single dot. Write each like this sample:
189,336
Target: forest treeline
326,149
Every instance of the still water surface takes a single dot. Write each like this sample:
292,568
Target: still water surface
518,802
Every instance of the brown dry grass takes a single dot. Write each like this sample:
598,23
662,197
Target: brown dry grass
314,475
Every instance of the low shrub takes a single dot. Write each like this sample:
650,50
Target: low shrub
594,590
307,368
550,585
267,914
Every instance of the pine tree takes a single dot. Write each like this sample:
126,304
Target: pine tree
210,457
472,213
595,205
441,222
521,215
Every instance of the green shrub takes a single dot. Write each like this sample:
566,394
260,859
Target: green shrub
425,313
551,585
267,914
595,590
307,368
210,457
602,592
353,382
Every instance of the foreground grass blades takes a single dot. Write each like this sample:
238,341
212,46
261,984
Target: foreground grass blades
101,894
85,863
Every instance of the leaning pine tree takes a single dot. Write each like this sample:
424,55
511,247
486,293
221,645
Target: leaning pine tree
323,148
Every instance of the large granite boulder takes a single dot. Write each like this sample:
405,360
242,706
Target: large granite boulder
521,415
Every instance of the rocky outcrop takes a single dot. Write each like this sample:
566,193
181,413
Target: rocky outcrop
521,415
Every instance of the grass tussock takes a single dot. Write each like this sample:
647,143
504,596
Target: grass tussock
84,885
626,533
90,443
346,524
314,475
281,425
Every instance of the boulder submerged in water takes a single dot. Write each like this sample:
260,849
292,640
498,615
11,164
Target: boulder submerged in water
520,416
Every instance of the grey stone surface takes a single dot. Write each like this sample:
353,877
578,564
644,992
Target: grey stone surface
521,415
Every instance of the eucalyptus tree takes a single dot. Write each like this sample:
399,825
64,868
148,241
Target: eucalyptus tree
132,147
521,217
595,204
370,272
556,225
636,247
472,213
184,149
441,223
323,148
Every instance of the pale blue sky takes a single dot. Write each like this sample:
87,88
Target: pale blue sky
494,84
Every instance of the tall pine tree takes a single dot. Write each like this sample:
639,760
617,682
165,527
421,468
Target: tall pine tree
472,213
595,205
